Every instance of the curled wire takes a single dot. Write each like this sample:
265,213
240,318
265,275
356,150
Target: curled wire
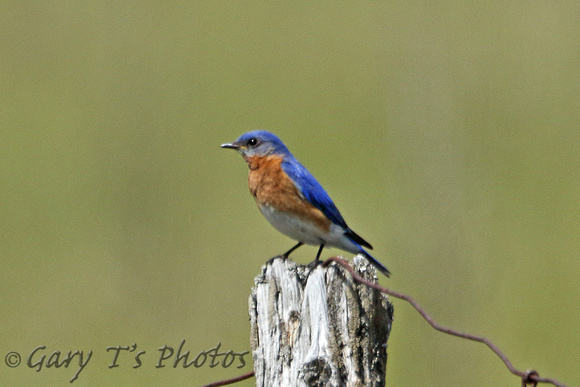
530,377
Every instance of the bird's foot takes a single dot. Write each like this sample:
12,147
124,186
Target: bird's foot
271,260
314,264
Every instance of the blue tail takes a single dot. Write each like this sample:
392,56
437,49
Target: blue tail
376,263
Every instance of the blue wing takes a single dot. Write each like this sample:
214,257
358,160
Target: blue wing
312,191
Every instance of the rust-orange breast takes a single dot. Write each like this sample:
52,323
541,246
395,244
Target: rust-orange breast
271,186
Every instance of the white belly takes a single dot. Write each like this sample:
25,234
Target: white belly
307,232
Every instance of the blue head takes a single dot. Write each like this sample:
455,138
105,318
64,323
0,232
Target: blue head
258,143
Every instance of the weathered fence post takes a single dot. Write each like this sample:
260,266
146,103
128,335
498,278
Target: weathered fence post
316,326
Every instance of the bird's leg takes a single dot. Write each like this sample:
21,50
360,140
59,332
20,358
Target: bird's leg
312,265
287,253
319,252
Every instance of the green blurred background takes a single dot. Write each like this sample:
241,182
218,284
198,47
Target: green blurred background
446,132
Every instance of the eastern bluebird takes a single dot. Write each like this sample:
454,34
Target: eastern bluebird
292,200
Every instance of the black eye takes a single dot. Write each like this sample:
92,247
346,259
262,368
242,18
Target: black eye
252,141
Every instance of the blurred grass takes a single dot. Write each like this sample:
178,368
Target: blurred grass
447,134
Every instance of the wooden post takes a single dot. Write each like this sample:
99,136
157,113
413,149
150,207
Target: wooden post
315,326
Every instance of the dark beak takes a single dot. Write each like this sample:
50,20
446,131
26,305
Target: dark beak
230,146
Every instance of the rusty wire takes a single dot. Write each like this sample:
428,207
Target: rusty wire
529,377
231,381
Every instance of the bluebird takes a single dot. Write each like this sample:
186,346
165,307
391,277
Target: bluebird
292,200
